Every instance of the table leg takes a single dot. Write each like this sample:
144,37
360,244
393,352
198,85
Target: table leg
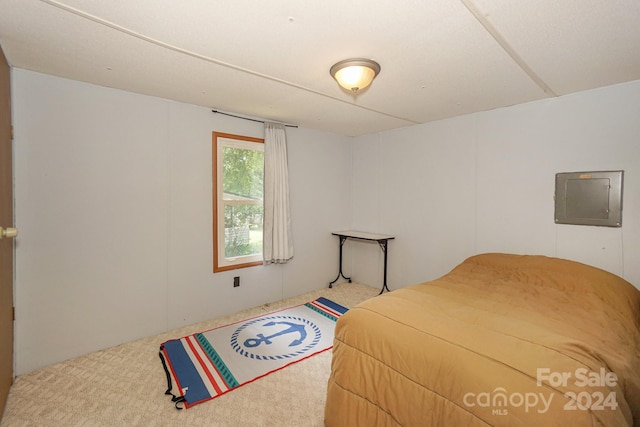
383,246
340,273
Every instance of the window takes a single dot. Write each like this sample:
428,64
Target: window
238,173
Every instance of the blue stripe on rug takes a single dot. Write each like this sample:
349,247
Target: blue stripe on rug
332,305
186,371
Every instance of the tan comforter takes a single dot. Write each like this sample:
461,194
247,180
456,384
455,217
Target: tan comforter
502,340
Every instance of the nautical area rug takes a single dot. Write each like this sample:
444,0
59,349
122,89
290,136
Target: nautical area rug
206,365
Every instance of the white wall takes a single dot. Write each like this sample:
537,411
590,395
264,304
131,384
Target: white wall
113,203
485,183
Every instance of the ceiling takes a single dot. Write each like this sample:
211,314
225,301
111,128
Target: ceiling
271,59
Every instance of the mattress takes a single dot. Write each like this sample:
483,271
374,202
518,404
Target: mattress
502,340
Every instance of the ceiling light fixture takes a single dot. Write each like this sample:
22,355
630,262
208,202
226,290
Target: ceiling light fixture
355,74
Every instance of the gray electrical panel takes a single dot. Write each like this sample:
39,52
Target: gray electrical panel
589,198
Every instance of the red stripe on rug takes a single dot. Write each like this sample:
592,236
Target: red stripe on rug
325,308
203,366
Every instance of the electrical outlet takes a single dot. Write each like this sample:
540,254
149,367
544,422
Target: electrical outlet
236,281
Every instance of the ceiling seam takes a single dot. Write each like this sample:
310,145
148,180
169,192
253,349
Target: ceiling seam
497,36
205,58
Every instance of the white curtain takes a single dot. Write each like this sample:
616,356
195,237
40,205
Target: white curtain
277,246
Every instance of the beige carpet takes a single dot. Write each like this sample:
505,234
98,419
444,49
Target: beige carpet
124,385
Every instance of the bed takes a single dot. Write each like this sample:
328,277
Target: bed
501,340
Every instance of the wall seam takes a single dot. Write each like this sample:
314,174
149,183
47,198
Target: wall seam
168,172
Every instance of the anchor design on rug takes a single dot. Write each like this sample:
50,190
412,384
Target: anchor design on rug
292,329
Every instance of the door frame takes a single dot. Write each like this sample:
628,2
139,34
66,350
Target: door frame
7,245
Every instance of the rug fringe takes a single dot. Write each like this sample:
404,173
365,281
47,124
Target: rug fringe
176,399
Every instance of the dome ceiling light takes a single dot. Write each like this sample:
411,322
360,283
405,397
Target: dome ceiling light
355,74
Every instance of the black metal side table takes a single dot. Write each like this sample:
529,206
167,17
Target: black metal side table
382,240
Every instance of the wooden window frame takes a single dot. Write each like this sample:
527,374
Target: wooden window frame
217,189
